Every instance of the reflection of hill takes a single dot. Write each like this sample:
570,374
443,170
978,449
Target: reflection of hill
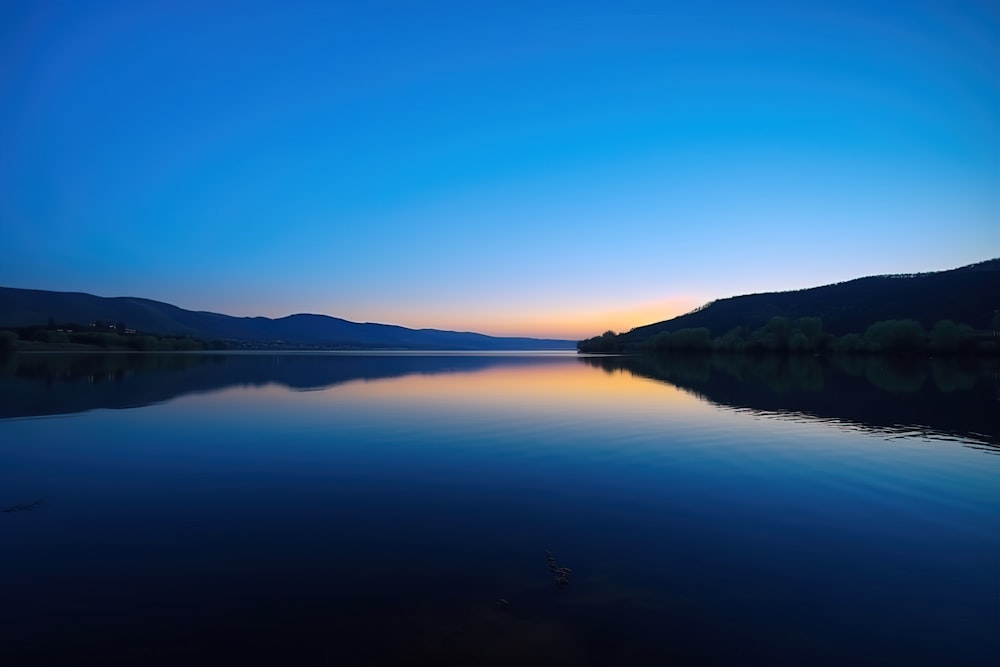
45,384
939,397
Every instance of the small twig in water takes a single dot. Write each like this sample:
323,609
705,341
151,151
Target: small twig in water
24,507
560,574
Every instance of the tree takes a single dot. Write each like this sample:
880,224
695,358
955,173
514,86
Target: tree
812,329
731,341
606,342
780,328
692,339
772,336
895,336
950,337
687,340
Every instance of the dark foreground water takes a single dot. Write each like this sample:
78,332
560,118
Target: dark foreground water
374,510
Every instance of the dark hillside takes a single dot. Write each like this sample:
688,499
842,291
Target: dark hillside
24,307
969,295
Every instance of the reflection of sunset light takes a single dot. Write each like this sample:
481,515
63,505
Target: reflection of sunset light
562,387
570,384
242,396
552,400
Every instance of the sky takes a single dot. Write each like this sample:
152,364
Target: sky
549,169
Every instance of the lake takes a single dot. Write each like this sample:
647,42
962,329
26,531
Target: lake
383,509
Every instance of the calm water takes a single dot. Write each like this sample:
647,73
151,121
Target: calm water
372,510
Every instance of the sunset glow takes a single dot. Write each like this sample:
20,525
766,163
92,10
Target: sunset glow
530,169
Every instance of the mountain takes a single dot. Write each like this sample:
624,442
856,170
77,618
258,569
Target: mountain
968,295
27,307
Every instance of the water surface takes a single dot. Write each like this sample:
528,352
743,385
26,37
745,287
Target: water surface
373,510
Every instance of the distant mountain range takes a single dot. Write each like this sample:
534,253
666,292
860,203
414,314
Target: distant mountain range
968,295
27,307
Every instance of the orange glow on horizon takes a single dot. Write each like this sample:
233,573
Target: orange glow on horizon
570,321
545,323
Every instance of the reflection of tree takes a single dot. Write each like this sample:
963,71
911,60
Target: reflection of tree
777,372
8,342
874,391
8,362
896,374
850,364
952,375
807,373
905,374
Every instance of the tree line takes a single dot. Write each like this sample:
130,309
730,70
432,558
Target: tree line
806,335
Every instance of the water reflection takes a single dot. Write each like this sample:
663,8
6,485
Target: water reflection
47,384
344,509
935,398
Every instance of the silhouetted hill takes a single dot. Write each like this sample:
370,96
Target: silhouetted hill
968,295
25,307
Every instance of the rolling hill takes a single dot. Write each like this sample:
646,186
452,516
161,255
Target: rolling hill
27,307
968,294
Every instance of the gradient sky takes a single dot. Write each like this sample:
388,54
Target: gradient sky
538,168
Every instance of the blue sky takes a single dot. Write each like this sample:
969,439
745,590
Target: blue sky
551,169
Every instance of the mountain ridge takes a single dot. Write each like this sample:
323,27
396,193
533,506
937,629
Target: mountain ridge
21,307
967,294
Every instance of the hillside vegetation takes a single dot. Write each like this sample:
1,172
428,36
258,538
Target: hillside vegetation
945,311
